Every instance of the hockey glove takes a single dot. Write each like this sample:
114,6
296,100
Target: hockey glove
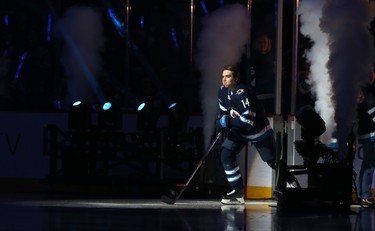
223,123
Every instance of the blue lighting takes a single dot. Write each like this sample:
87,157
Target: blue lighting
141,106
221,3
59,104
107,106
49,27
119,25
174,38
20,65
6,20
24,56
204,7
142,22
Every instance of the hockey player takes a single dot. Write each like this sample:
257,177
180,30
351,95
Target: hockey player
366,137
244,119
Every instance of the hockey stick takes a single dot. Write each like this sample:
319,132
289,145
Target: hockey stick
173,195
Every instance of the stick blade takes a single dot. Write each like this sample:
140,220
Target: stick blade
168,200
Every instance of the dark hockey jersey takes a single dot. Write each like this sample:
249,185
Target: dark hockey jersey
366,116
249,121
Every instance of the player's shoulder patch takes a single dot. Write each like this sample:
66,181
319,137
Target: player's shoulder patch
240,91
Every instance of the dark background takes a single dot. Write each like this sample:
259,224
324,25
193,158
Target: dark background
148,50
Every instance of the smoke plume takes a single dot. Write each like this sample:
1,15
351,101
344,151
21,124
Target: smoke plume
82,32
344,29
317,56
221,42
350,42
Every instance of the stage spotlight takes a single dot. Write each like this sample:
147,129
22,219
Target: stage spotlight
172,105
141,106
147,116
79,116
312,126
107,106
110,117
311,123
